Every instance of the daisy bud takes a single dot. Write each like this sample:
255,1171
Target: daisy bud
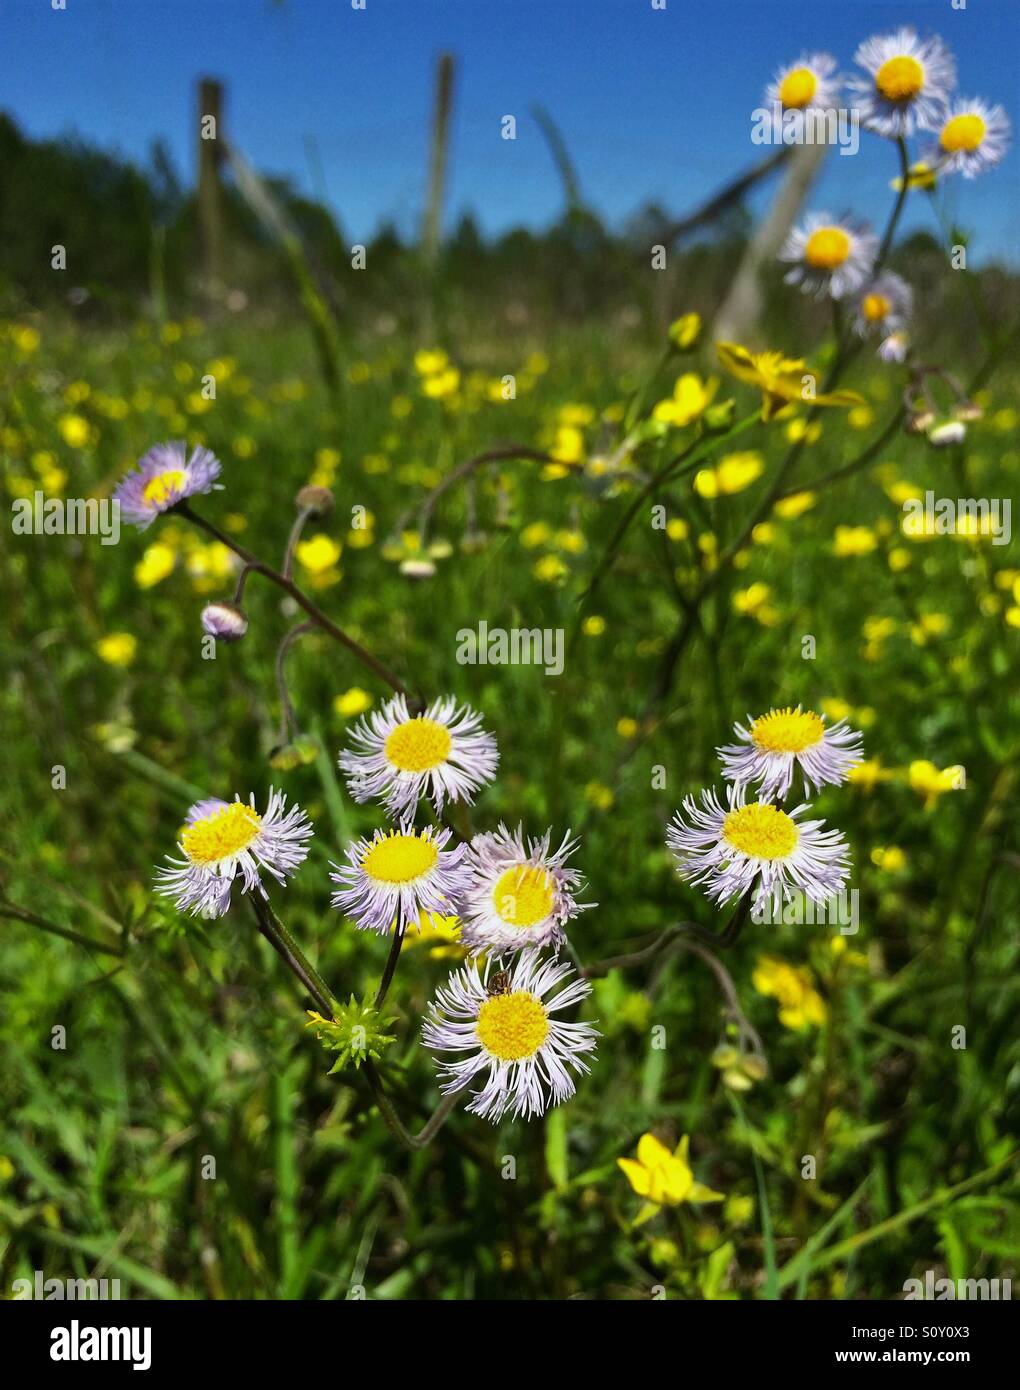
418,569
224,621
894,348
317,500
947,433
968,410
919,421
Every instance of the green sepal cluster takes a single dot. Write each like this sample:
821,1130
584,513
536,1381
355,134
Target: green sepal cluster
355,1033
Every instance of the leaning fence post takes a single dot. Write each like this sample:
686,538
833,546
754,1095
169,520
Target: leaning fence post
210,213
740,315
432,221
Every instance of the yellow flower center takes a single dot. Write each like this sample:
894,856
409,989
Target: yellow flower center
524,895
798,87
400,858
962,133
876,307
162,487
222,834
900,79
787,731
827,248
512,1026
418,745
761,830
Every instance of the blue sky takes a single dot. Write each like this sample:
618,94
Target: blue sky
654,105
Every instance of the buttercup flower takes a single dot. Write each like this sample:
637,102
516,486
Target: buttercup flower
792,986
781,380
908,82
164,477
756,848
520,894
775,744
973,137
884,305
829,256
731,474
931,782
506,1025
223,840
690,399
442,754
398,875
810,83
664,1178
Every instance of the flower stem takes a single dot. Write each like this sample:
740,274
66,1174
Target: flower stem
391,964
298,595
291,954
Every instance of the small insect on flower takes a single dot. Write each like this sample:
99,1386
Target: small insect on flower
830,256
811,83
775,744
164,477
506,1024
756,849
442,754
221,840
883,306
520,894
973,137
398,875
909,80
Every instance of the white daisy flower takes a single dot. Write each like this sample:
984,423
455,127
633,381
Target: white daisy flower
221,840
776,743
398,875
507,1027
973,137
442,754
830,256
811,83
520,895
909,80
884,305
756,849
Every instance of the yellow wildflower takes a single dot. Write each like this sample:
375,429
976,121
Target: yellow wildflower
889,858
352,702
75,430
794,505
599,795
868,774
731,474
780,379
690,399
664,1179
117,648
800,1004
853,540
319,554
931,783
157,562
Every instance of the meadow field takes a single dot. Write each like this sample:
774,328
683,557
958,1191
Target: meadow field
805,1109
